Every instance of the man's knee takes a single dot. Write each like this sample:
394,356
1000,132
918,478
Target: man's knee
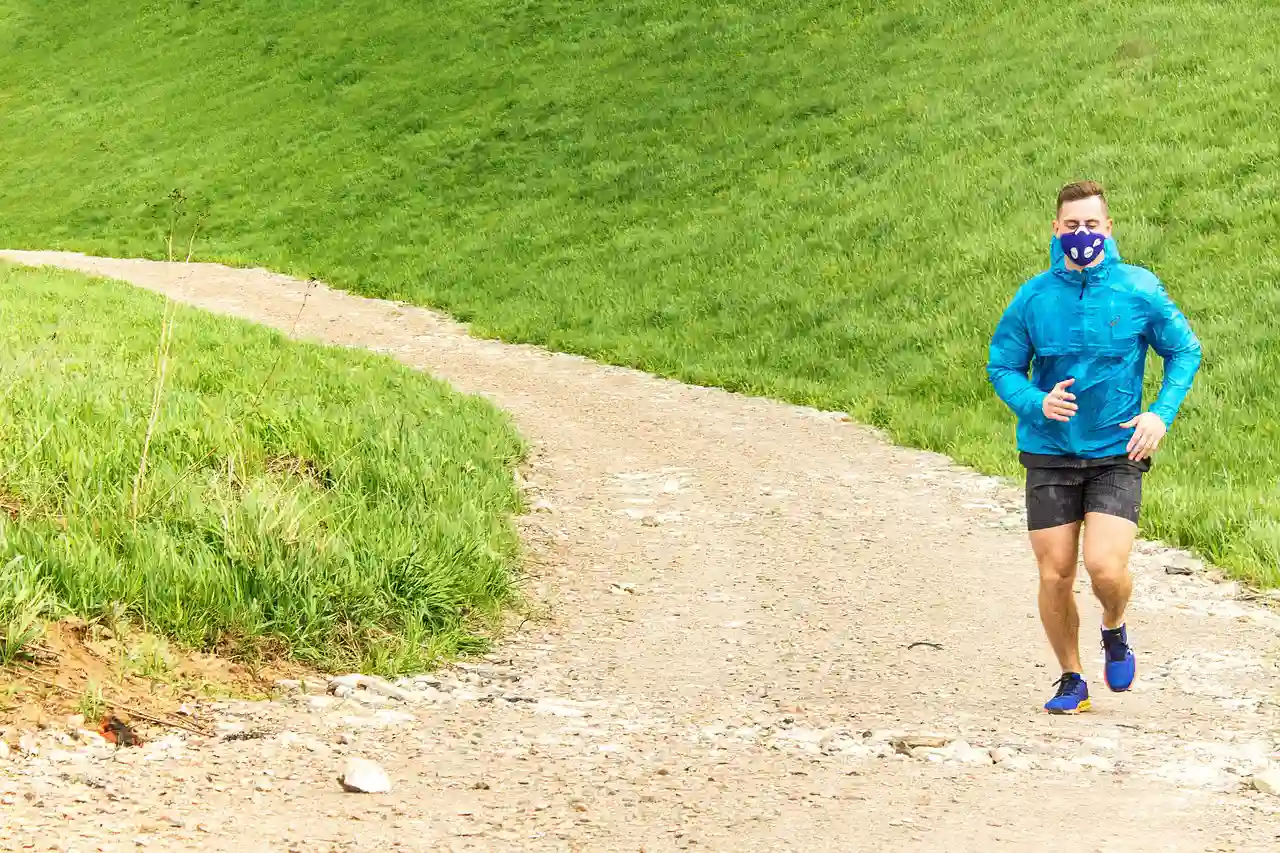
1057,570
1107,571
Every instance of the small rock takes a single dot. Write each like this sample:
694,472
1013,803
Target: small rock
75,721
320,703
906,743
4,750
343,738
1181,564
1016,763
964,753
28,746
1267,782
362,776
90,738
346,685
289,685
263,785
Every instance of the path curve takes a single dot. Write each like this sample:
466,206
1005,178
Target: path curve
735,583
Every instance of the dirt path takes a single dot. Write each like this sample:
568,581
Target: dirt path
736,584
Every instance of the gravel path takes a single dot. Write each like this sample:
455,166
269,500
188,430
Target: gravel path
735,587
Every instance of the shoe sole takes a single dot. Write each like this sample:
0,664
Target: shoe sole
1084,706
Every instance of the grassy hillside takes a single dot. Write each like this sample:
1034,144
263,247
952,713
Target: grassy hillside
826,202
325,503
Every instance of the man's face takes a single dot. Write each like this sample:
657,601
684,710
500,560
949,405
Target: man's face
1090,212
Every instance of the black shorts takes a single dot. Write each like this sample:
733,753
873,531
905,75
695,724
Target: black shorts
1062,489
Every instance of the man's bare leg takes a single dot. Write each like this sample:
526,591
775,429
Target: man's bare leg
1057,550
1108,540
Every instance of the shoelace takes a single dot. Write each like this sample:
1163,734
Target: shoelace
1116,650
1066,685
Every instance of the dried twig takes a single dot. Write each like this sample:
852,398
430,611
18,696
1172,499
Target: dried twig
256,400
119,706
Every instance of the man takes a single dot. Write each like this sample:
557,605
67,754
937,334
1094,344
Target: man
1083,327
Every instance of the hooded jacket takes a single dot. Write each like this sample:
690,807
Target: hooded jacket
1094,325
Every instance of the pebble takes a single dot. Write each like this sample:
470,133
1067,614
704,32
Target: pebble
908,742
962,752
356,682
1017,763
362,776
1267,782
89,738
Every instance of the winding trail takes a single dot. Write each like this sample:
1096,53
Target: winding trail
735,584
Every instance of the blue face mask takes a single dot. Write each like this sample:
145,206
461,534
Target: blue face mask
1082,246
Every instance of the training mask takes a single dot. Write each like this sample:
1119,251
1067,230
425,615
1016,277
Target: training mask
1082,246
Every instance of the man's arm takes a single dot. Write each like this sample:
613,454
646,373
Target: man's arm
1171,337
1008,359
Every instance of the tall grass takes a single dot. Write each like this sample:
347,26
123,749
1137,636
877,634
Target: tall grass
356,514
825,202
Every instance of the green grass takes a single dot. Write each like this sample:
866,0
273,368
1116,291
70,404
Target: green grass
824,202
327,504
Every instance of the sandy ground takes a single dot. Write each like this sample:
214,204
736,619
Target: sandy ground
736,585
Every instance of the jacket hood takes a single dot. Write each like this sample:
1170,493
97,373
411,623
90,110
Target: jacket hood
1058,256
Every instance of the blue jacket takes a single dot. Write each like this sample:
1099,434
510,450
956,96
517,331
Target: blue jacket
1094,325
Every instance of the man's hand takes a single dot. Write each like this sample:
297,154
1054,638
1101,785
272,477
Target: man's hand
1148,429
1057,405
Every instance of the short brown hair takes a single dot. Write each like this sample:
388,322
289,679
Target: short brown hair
1081,189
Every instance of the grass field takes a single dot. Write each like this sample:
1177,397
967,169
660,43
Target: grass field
325,504
824,202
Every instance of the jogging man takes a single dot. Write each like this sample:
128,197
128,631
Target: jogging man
1083,327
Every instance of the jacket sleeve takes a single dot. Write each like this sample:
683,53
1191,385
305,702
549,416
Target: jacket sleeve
1171,337
1009,358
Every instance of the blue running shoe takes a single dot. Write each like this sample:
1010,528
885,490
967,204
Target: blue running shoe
1072,696
1120,666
